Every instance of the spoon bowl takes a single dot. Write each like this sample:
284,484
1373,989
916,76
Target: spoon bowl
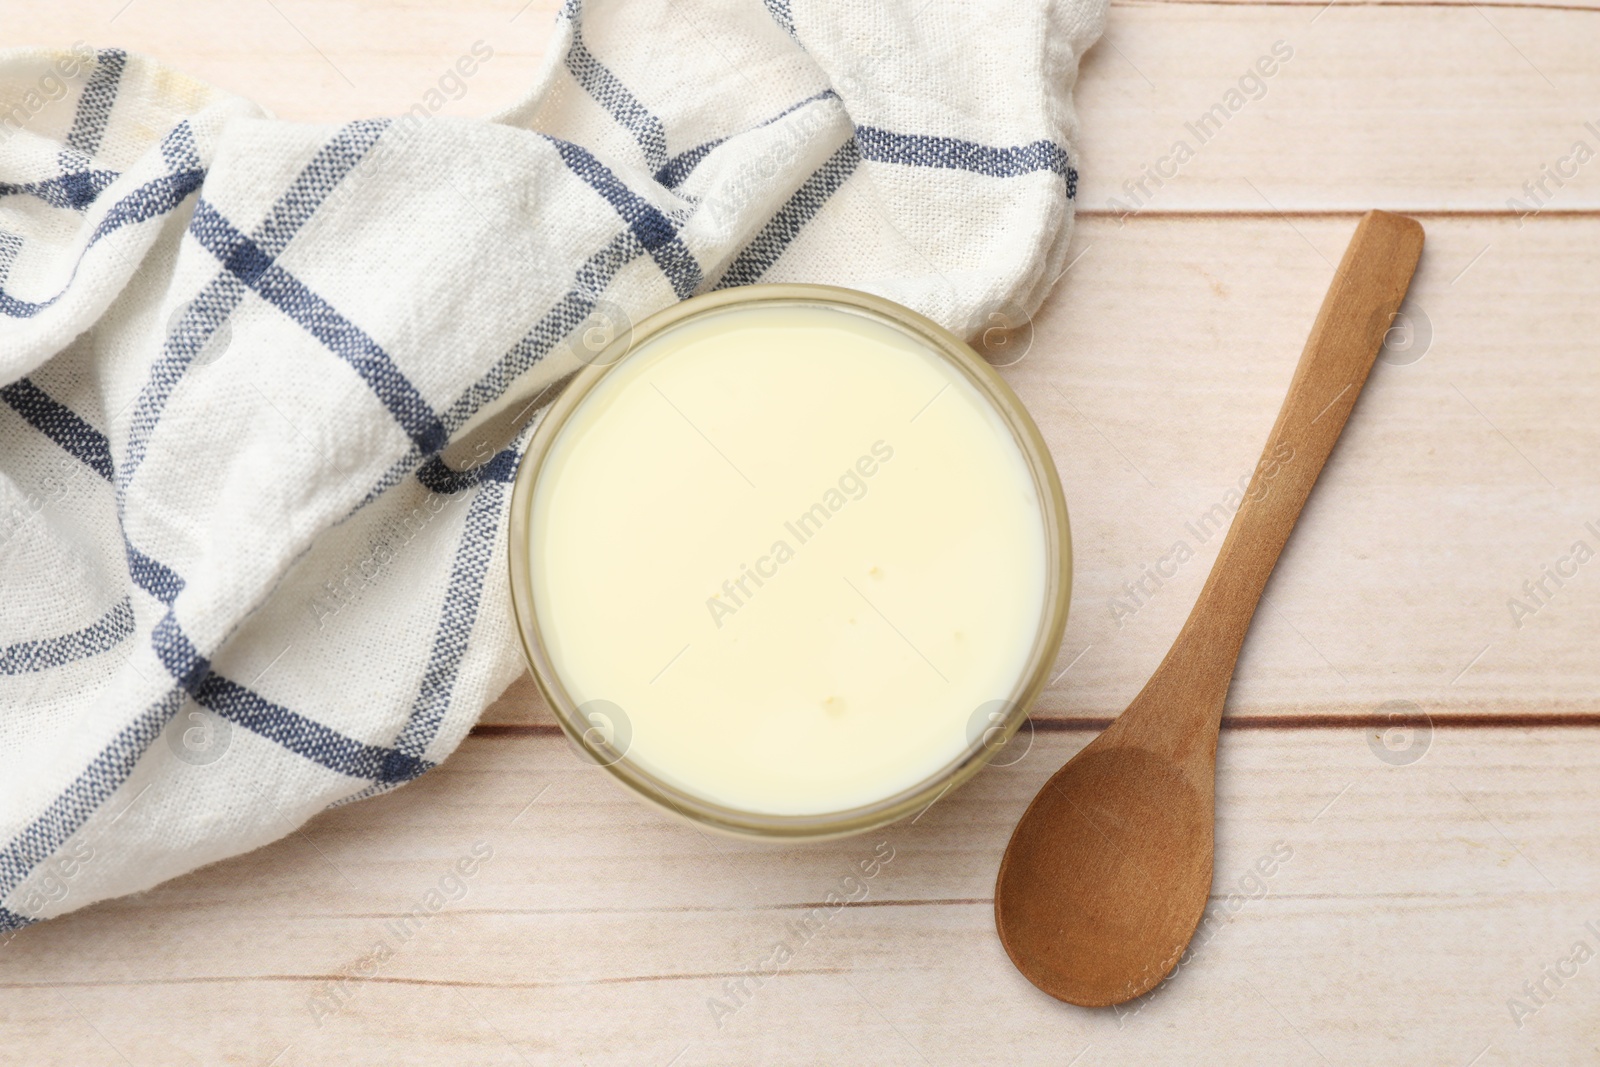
1109,843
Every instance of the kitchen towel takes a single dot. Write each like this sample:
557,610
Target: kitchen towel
242,579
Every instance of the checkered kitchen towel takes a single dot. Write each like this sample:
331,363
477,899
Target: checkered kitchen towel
240,583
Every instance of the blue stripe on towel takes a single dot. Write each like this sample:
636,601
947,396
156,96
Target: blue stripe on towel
305,737
154,198
89,446
10,245
216,301
609,92
457,616
201,318
764,249
923,150
61,424
178,655
248,262
568,312
76,805
655,231
435,475
110,630
566,315
676,169
75,190
298,733
94,105
330,166
779,10
157,579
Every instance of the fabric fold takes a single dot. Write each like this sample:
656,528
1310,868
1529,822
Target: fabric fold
241,584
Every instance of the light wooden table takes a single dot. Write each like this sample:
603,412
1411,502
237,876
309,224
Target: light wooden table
1420,892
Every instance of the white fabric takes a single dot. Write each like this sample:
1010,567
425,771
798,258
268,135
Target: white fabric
239,584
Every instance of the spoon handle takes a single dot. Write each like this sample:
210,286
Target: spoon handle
1356,313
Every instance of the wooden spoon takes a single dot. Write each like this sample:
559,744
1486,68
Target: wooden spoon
1108,873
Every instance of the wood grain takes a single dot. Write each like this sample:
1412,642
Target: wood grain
1414,903
1411,109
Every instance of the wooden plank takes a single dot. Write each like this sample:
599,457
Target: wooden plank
1400,106
1155,371
598,929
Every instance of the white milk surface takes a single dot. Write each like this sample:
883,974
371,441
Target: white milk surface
796,549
